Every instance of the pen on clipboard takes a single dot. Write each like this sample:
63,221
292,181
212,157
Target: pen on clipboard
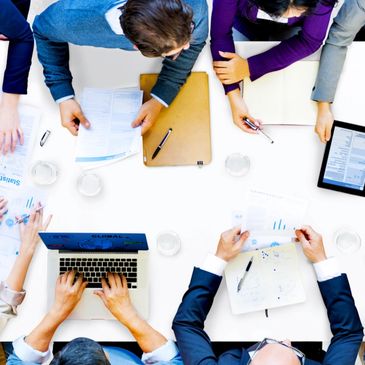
164,139
254,127
44,138
21,220
239,286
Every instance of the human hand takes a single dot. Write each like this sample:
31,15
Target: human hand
147,115
312,244
230,243
239,111
324,121
72,116
115,296
3,207
29,232
232,71
10,130
68,294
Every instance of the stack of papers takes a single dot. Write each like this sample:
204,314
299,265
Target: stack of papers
110,137
271,219
13,166
20,203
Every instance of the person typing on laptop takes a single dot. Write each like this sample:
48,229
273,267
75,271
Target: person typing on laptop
11,290
195,346
34,348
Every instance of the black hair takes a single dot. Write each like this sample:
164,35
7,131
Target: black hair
156,26
81,351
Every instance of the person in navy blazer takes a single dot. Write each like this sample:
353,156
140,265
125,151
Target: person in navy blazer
15,29
194,343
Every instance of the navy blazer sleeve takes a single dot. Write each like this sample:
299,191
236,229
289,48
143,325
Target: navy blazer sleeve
188,325
344,319
14,26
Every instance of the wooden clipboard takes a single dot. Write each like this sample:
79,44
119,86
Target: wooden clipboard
188,116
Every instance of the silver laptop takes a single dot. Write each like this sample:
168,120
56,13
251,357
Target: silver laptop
95,254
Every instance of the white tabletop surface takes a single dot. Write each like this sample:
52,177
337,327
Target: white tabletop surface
195,202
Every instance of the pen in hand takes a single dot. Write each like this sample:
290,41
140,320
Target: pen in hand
254,127
21,220
239,286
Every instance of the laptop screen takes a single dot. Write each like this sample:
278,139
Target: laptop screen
116,242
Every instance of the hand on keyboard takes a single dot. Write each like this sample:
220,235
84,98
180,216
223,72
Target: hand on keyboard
115,296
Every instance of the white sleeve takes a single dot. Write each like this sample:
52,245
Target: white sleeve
165,352
160,100
327,269
214,265
59,101
27,353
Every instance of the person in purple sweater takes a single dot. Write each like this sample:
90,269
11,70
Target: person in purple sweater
300,25
15,29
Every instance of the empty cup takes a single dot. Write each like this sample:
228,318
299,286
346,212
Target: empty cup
237,164
89,184
44,172
168,243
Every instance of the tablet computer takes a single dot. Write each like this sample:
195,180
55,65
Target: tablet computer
343,166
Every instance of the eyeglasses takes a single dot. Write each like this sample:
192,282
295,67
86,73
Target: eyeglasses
174,56
266,341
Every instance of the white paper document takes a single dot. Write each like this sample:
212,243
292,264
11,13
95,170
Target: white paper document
284,96
20,203
274,279
110,137
271,219
13,166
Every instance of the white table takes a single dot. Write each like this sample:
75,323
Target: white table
196,203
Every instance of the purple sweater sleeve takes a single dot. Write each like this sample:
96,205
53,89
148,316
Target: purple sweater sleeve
223,15
309,40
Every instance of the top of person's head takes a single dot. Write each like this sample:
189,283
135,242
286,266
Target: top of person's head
275,354
156,26
277,8
81,351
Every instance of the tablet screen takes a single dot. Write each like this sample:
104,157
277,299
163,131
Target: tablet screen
346,159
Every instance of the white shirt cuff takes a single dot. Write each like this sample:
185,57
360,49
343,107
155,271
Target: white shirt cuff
214,265
327,269
27,353
59,101
160,100
165,352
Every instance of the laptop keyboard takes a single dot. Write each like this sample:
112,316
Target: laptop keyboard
96,268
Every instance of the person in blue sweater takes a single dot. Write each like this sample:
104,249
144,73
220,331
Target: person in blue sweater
14,29
175,30
195,346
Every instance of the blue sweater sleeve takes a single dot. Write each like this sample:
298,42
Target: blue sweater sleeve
13,25
344,319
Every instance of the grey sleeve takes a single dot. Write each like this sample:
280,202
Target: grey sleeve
346,25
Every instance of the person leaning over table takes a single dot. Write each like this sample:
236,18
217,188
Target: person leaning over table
175,30
194,343
300,25
34,348
348,22
11,290
15,29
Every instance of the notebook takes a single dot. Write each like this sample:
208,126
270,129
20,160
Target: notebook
189,118
284,97
274,279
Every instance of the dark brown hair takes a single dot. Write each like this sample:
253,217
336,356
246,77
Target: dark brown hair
156,26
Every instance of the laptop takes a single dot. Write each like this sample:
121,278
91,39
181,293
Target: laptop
95,254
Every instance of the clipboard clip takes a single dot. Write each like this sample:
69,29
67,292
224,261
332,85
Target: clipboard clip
200,164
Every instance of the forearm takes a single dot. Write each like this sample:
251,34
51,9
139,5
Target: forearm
18,273
147,337
40,338
54,57
10,100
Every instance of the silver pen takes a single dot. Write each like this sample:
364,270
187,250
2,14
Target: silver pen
254,127
21,220
239,286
